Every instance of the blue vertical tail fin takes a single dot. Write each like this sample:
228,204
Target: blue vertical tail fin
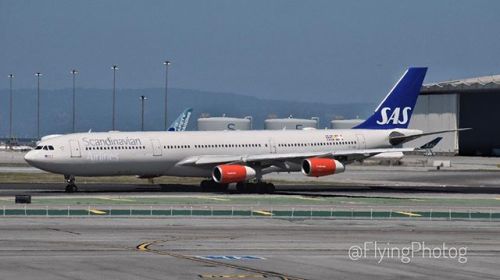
397,107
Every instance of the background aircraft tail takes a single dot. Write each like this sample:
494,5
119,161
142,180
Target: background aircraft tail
397,107
181,123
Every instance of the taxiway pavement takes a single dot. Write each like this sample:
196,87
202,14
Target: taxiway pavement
188,248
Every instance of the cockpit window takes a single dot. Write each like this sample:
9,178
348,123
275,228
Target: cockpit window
51,148
45,148
38,148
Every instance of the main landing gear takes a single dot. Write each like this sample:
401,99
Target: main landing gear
71,187
258,187
241,187
212,186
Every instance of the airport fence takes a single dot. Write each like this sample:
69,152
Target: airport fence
246,212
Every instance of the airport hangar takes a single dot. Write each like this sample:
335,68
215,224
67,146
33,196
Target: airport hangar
467,103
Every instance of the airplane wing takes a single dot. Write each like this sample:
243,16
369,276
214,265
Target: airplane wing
344,155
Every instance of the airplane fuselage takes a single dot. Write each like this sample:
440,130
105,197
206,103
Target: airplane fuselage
150,154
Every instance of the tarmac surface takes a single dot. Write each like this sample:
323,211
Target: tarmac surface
106,245
190,248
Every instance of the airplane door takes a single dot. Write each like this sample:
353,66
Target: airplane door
156,147
272,146
74,147
361,141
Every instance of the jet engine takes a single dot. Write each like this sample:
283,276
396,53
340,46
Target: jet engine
316,167
232,173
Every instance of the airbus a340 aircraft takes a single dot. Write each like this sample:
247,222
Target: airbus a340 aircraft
240,157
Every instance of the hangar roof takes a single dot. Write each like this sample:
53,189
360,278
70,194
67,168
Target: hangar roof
463,85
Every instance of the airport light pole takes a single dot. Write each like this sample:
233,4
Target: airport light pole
74,72
142,111
166,63
11,77
38,75
114,68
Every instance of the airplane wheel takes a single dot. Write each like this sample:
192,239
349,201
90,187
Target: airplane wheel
221,187
205,186
260,188
242,187
211,186
71,188
263,188
270,188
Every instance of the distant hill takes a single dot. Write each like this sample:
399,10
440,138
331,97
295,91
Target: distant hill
94,109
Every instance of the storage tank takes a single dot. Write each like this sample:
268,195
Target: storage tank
291,123
345,124
224,123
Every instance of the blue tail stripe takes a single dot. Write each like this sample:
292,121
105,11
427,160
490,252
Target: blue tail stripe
396,109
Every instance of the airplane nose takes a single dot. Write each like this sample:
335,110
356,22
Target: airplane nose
30,157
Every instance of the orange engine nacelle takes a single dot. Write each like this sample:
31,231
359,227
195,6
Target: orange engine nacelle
225,174
316,167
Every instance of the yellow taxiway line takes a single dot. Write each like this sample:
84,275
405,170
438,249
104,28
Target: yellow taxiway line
213,198
144,246
309,198
262,212
116,199
410,214
97,212
231,276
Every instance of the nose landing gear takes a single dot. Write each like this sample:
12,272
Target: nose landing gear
71,187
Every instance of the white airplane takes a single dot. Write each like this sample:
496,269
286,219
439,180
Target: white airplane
240,157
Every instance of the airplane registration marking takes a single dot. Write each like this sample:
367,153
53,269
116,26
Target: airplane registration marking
97,212
410,214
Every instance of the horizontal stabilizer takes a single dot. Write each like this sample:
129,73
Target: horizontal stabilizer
398,138
431,144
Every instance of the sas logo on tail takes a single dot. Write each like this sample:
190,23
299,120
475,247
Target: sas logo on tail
394,117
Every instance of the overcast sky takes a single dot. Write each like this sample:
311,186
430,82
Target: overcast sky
326,51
